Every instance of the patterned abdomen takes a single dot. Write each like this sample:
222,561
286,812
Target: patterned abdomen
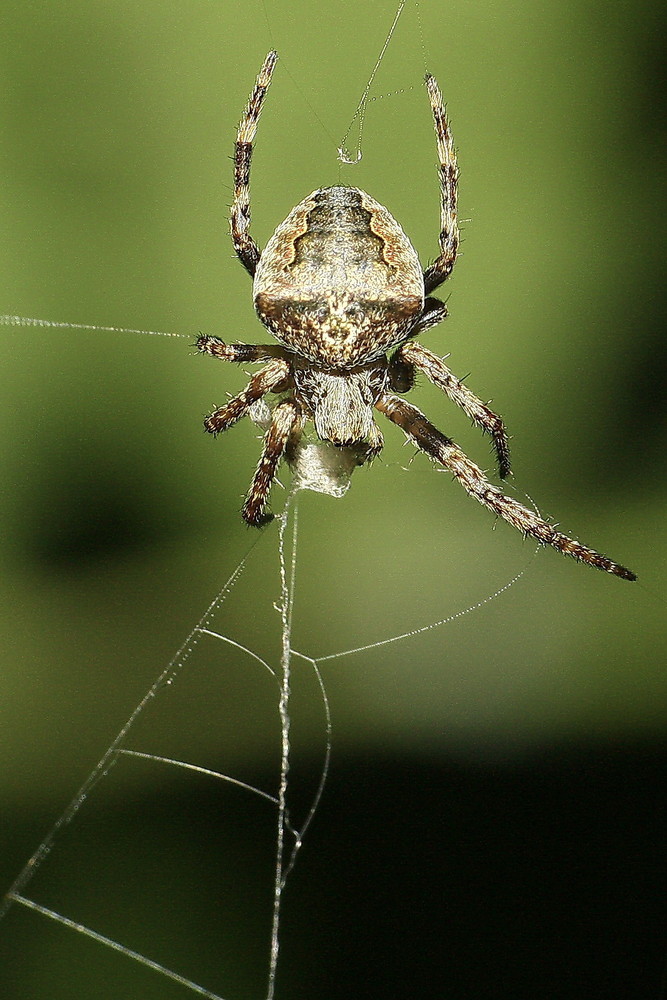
339,281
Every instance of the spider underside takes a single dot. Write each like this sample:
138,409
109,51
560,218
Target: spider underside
339,286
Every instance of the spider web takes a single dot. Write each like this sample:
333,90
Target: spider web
319,468
358,119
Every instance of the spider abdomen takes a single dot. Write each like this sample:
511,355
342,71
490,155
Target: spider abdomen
339,281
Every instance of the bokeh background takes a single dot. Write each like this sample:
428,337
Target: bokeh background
492,823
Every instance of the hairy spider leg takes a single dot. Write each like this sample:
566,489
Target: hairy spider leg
402,374
247,250
443,450
240,354
442,266
434,312
435,369
272,378
286,423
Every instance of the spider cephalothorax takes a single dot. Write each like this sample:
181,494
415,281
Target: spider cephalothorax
339,286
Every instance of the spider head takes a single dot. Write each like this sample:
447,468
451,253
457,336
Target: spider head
341,403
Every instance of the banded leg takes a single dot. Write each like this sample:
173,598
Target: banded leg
246,249
272,378
443,450
434,312
402,374
238,353
437,372
442,266
285,423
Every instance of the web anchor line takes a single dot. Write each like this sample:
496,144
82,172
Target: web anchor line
359,116
111,755
285,857
30,321
115,946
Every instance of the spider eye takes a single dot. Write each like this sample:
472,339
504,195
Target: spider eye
322,313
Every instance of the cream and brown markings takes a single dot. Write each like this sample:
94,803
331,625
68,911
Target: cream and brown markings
339,286
339,281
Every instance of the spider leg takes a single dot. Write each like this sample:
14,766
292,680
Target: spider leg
272,378
435,369
434,312
402,374
238,353
442,266
285,421
375,442
443,450
246,249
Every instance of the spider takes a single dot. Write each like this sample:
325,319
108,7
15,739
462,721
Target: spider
339,285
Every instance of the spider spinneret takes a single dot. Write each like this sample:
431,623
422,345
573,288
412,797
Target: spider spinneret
339,285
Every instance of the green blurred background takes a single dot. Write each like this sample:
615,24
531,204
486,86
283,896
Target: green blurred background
540,712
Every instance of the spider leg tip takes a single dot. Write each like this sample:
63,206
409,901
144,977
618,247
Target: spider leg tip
258,520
